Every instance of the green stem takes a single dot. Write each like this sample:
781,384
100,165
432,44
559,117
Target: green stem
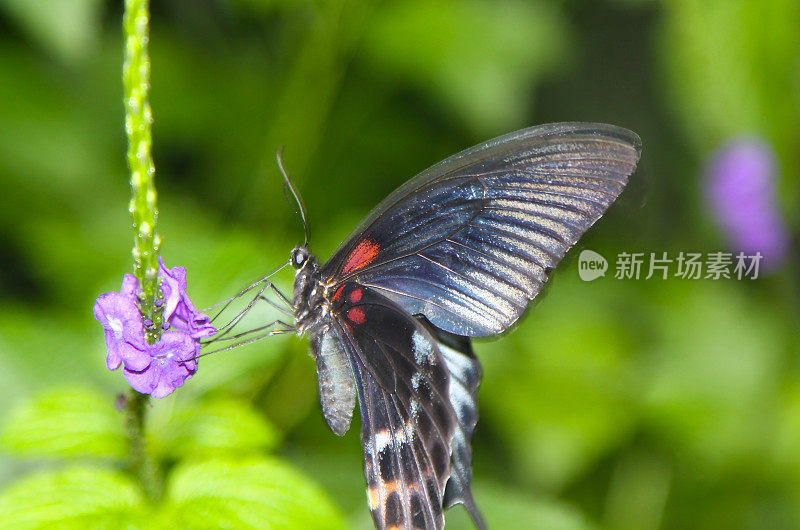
144,467
138,122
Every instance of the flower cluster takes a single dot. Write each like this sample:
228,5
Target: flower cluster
155,369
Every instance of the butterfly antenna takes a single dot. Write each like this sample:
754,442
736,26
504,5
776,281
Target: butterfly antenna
288,183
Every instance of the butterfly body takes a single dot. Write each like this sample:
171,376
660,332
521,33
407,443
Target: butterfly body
309,298
457,252
312,316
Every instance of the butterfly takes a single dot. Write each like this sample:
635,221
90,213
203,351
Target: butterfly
457,252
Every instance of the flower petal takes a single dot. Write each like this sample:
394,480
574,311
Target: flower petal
113,359
173,287
187,319
167,369
130,286
118,314
179,311
133,358
201,328
143,382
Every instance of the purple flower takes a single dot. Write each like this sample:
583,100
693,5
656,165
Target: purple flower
173,360
179,311
125,342
160,368
741,192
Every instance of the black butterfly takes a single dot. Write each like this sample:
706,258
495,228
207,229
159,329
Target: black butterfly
456,252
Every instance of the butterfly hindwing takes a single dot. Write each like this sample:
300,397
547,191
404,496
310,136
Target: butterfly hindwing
407,419
402,488
465,377
471,240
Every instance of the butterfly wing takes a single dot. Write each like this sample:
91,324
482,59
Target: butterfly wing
407,420
465,376
471,240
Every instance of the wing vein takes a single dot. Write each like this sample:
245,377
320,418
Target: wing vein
406,498
430,516
462,296
492,258
474,281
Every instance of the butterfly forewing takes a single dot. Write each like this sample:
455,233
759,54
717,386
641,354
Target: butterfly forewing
470,241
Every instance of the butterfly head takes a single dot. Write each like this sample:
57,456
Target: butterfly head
308,290
299,257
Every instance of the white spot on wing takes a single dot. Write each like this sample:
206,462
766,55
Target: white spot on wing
423,349
382,439
414,409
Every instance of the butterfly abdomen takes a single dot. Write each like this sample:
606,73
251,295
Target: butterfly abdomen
337,390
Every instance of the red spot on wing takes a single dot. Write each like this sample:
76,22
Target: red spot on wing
357,315
338,293
361,256
356,295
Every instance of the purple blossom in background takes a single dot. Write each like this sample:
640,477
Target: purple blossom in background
160,368
741,192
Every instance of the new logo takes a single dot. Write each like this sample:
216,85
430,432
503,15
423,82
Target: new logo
591,265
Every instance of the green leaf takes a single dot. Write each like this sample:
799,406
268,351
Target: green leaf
71,498
70,422
221,425
249,493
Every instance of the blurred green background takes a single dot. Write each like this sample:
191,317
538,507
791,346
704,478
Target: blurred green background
620,404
